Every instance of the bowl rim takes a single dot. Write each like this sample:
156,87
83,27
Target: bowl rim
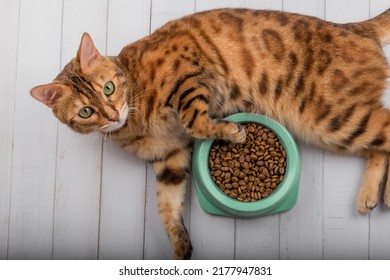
219,199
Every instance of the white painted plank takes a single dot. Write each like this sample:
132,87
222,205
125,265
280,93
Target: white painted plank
123,205
379,233
128,21
258,238
35,134
157,244
9,18
167,10
212,237
262,4
307,7
302,226
124,175
380,217
203,5
343,11
77,197
378,6
345,231
298,240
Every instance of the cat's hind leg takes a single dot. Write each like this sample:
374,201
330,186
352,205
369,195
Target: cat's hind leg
372,134
369,192
172,175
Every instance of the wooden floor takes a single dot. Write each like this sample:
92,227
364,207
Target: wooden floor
68,196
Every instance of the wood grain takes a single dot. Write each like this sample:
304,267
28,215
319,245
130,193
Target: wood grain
35,133
8,56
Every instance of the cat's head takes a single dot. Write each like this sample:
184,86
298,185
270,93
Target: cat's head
89,94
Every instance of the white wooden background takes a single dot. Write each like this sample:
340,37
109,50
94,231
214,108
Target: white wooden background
68,196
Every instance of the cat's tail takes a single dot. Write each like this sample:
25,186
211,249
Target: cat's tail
379,25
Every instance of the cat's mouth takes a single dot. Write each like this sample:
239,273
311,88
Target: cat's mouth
112,126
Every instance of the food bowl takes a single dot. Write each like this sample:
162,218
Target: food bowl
214,201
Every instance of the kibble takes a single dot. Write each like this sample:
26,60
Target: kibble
251,170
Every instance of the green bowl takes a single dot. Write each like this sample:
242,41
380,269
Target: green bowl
214,201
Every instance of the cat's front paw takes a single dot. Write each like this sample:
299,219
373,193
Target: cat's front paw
239,136
366,201
234,133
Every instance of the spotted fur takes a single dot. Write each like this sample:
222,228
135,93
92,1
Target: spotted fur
324,81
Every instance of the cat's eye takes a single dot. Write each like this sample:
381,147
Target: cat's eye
85,112
109,88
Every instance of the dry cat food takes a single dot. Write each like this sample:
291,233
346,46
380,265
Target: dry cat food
251,170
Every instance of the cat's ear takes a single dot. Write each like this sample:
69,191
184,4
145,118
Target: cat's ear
48,94
87,53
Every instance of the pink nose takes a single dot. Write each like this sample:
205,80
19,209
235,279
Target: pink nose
114,117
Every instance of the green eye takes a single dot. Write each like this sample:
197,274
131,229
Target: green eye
85,112
109,88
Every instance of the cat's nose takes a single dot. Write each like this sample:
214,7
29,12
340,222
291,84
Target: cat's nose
114,117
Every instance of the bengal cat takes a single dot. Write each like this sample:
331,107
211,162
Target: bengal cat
322,80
